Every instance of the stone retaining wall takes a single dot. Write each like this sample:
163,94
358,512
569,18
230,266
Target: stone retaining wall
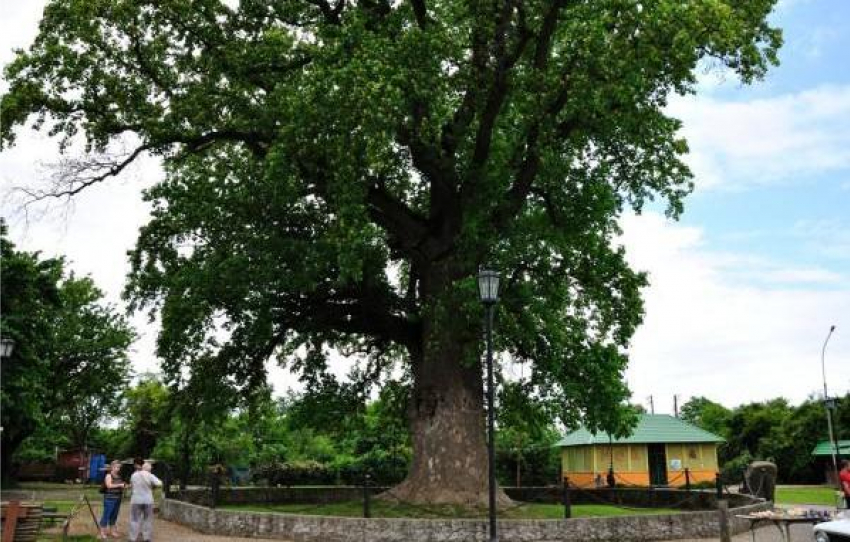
336,529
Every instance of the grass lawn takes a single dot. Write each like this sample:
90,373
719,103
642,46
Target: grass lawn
805,495
381,509
64,507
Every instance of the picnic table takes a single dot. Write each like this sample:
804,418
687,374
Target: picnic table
21,521
782,522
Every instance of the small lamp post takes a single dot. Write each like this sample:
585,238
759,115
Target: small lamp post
488,290
7,346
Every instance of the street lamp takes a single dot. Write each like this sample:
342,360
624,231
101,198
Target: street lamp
7,346
488,290
830,405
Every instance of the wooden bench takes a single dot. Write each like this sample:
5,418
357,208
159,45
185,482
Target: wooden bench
21,521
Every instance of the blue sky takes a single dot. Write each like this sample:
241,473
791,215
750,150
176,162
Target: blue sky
743,288
800,216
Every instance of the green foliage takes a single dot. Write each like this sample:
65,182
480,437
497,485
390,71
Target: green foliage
773,431
706,414
311,148
69,367
732,471
295,473
525,438
337,172
146,415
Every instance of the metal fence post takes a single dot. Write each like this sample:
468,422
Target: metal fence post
719,486
687,480
166,482
723,511
367,513
214,489
568,511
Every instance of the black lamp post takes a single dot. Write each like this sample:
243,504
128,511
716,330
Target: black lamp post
830,406
7,346
488,289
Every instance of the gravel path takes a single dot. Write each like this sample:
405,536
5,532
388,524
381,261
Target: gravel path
163,531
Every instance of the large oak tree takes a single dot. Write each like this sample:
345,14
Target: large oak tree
337,171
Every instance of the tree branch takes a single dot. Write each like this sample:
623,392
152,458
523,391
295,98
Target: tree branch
358,310
255,141
331,14
406,229
75,175
498,91
420,12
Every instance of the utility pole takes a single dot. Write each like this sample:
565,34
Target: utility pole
676,405
651,405
830,405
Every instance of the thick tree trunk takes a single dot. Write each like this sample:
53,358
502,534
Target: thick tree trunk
448,425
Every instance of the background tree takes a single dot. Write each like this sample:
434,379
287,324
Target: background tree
706,414
147,417
30,297
526,437
772,430
70,365
338,171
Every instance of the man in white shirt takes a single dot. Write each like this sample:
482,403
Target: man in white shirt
141,501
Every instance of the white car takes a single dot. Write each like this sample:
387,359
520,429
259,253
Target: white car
833,531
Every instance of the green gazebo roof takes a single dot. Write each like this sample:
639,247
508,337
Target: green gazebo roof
824,448
651,428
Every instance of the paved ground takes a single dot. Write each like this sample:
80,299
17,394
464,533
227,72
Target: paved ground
799,533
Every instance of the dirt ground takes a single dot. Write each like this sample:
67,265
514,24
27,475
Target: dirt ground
163,531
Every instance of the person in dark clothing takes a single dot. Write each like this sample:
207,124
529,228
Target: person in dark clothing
113,492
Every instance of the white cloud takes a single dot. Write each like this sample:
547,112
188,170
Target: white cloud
827,237
707,332
735,144
94,231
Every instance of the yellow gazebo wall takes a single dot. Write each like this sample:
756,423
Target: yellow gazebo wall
631,464
583,463
699,458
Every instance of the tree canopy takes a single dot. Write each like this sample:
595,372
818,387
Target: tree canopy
70,366
773,430
338,171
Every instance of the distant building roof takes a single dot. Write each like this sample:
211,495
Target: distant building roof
824,448
651,428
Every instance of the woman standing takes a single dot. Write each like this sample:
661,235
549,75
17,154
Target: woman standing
112,493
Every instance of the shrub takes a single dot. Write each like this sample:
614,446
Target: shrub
294,473
385,468
733,470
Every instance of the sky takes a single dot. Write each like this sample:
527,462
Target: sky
744,287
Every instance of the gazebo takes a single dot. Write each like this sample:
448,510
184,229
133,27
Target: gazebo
823,454
657,453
